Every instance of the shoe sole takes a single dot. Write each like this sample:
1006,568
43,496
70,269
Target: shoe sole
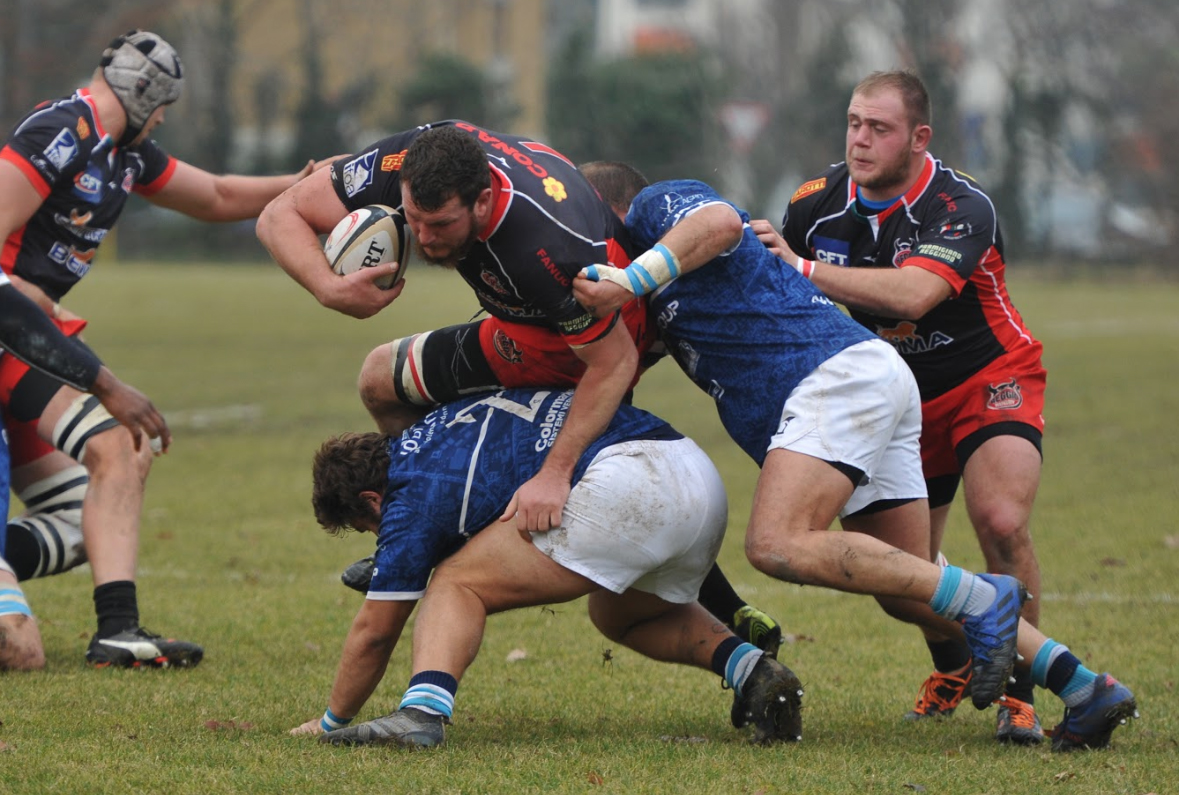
783,719
1019,737
189,661
989,682
411,740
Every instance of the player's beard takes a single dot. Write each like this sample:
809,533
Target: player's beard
452,258
888,178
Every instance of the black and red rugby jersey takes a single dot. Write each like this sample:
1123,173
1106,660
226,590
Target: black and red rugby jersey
547,224
84,179
945,224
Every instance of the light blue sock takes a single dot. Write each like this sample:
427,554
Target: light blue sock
432,692
740,665
960,593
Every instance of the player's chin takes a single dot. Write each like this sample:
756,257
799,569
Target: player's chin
447,259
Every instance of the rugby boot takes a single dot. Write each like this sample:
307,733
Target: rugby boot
1018,723
359,575
139,648
940,695
992,638
1091,724
753,626
770,700
406,728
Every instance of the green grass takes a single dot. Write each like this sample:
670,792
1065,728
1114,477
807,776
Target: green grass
253,374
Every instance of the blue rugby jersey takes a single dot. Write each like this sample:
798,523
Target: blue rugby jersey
454,472
746,327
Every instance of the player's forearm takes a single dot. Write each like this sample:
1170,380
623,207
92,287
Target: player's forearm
295,247
704,235
595,401
29,334
889,292
362,666
240,197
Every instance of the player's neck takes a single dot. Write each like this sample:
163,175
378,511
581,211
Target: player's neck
110,111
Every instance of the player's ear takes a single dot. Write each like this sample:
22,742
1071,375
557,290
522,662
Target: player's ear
484,202
921,136
374,501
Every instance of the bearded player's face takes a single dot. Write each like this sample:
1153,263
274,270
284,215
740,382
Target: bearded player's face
445,235
880,144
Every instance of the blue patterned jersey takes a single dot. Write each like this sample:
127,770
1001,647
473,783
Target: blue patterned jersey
454,472
746,327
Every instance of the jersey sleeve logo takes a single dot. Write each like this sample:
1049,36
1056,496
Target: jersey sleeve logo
83,129
807,188
393,162
950,231
358,173
62,149
555,189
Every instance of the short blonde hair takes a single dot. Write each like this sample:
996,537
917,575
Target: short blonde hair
914,96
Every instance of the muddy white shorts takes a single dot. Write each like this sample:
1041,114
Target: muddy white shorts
648,515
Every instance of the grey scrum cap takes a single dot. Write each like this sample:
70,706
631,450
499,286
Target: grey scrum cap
144,72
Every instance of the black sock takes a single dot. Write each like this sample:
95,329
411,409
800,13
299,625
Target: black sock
949,656
1023,687
718,596
22,551
116,606
720,657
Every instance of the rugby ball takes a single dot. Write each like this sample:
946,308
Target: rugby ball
370,236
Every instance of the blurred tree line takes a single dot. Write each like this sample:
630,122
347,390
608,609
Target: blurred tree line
1062,111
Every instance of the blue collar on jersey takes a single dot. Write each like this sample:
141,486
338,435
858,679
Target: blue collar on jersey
874,205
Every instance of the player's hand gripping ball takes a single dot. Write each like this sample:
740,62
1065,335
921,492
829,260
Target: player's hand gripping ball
370,236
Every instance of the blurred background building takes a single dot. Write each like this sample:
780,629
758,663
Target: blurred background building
1063,111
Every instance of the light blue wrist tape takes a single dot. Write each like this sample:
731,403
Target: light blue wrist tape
673,264
652,268
330,722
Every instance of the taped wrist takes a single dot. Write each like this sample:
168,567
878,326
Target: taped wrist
652,268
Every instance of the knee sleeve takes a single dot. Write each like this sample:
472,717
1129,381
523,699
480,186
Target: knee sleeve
47,538
440,366
85,418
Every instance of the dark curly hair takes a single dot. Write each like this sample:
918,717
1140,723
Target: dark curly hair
344,466
444,162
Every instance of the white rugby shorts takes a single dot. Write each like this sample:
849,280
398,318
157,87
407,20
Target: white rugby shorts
648,515
862,408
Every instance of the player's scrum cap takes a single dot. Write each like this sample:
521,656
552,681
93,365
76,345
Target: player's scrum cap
144,72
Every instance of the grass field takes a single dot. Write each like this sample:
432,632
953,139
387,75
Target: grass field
253,375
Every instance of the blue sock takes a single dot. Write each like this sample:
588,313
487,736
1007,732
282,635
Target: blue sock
432,692
960,593
1056,668
740,664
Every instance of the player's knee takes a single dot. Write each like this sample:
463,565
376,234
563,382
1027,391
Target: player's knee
776,557
1003,526
88,433
375,382
111,452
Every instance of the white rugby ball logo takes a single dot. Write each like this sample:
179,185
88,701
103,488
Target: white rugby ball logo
367,237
